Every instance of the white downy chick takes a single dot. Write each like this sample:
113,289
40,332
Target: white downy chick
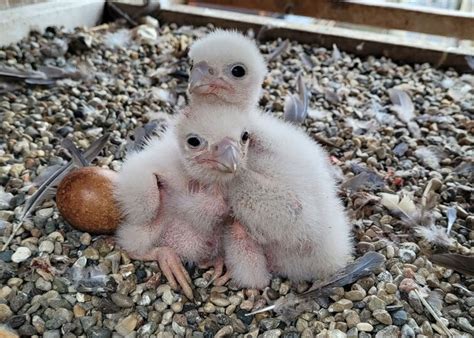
289,221
167,216
287,200
227,68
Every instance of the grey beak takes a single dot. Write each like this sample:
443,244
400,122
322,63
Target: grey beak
199,72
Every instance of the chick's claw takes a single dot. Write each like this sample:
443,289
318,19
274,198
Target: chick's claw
218,265
173,269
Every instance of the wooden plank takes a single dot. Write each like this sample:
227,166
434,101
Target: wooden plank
356,42
388,15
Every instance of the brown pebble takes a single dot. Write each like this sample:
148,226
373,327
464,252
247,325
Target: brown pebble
407,285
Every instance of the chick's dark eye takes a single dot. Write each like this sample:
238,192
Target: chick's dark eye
245,136
194,142
238,71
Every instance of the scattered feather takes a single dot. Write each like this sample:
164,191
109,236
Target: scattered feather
163,95
307,62
281,49
44,190
261,32
366,179
119,39
336,54
331,95
434,314
402,104
470,61
360,127
296,105
447,83
404,206
457,262
459,90
400,149
361,267
428,158
89,279
452,215
317,114
77,158
45,173
435,235
464,290
435,299
142,135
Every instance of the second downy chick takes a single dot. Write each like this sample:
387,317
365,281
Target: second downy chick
278,184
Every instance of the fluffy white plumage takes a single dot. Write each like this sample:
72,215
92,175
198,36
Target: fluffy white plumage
287,199
290,221
159,208
164,214
221,50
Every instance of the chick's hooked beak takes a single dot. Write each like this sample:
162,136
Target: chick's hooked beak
224,156
204,80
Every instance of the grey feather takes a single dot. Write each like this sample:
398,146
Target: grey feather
77,157
402,104
459,263
44,189
361,267
452,215
279,50
296,106
141,135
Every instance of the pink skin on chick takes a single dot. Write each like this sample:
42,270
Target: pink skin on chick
169,217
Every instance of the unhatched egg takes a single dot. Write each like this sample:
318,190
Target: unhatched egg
85,199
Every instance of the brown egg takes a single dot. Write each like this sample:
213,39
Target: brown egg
85,199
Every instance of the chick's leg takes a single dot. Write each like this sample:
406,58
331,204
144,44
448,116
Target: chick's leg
171,266
245,259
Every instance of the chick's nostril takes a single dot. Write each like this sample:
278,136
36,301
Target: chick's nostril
216,147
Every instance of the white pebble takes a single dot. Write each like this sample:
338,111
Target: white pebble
21,254
46,246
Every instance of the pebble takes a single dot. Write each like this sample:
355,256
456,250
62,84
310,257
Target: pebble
415,302
407,256
366,327
224,331
6,332
43,284
21,254
407,331
219,301
340,305
272,333
121,300
5,313
389,331
46,246
352,318
126,325
376,303
52,334
382,316
99,332
400,317
465,325
355,295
